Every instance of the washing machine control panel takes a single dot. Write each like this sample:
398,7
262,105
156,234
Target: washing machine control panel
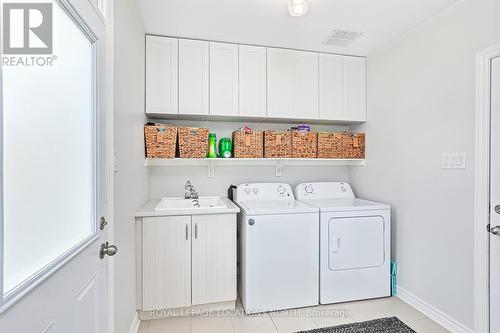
323,190
263,191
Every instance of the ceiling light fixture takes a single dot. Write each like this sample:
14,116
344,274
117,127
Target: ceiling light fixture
297,7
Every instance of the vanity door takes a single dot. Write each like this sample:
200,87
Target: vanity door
166,262
214,258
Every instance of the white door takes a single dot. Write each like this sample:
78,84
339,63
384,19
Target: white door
280,83
161,75
305,85
252,81
214,258
166,262
193,77
331,87
223,79
356,242
56,175
354,77
495,199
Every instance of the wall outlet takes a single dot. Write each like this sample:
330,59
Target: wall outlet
453,161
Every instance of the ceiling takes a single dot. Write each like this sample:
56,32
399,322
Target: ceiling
267,22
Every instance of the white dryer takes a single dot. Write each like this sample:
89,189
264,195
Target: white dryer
354,243
278,248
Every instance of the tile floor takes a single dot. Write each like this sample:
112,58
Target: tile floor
296,320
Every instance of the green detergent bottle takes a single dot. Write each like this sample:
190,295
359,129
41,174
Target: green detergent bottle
212,144
225,148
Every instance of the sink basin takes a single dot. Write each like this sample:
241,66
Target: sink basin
188,204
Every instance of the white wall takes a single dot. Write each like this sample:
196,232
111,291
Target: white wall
170,181
421,103
132,180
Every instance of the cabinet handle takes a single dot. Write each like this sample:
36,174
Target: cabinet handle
196,231
187,231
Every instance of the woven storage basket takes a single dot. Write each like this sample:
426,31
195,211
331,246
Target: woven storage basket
354,145
277,144
193,142
330,145
304,144
248,144
160,140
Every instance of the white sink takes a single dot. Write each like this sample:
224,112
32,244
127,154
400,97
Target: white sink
189,204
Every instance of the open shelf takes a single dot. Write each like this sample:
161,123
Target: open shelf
211,163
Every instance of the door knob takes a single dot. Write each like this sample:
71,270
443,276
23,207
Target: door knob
497,209
107,249
495,230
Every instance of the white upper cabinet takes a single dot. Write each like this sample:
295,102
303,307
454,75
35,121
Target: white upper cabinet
280,83
252,85
342,88
354,83
331,96
292,84
193,77
187,77
161,75
305,85
223,79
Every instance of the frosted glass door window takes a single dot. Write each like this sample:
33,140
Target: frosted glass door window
49,155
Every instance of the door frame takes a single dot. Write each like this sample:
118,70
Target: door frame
482,188
108,17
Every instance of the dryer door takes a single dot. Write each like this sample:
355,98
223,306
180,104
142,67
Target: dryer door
356,242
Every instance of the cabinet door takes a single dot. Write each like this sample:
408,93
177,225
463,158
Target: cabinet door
252,81
280,83
166,262
161,75
354,72
306,85
193,77
223,79
214,258
331,90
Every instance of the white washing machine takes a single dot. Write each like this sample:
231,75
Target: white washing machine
354,243
278,248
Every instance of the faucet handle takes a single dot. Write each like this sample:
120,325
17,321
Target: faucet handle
188,185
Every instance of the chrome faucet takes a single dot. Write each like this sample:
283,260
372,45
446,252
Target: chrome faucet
191,193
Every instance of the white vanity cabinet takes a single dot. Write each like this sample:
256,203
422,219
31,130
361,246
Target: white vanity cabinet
186,261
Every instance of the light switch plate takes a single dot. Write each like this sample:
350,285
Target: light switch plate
453,161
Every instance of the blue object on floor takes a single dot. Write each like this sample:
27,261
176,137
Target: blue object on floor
394,271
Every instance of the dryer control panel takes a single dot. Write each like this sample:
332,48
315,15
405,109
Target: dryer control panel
323,190
264,191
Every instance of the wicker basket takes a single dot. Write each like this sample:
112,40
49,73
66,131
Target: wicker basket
160,140
193,142
304,144
248,144
277,144
354,145
330,145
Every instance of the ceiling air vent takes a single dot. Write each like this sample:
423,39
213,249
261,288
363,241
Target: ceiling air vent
341,38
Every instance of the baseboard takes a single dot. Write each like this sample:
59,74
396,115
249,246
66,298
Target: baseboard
134,327
438,316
